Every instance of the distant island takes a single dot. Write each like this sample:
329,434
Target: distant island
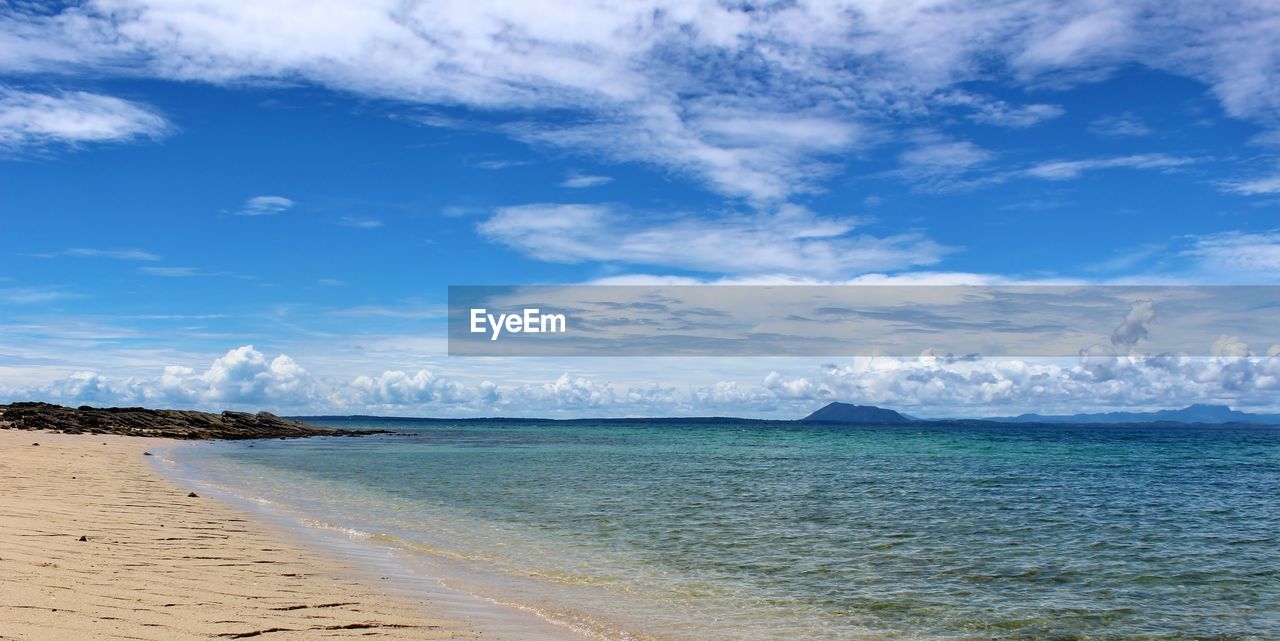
838,413
187,424
1192,414
1198,413
848,413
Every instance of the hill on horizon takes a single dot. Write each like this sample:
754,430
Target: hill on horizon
849,413
1196,413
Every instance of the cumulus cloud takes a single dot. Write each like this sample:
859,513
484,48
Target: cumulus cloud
399,389
1134,328
265,206
930,385
30,119
243,377
948,387
793,240
757,102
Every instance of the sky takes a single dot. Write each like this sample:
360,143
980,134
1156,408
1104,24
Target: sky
221,204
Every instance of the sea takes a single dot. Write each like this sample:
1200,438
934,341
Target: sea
734,530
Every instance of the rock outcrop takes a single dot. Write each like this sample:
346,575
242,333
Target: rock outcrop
179,424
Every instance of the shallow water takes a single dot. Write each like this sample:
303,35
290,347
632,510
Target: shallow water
773,531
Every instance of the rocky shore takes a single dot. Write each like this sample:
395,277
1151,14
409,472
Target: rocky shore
177,424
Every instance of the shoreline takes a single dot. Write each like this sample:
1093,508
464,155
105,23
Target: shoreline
156,563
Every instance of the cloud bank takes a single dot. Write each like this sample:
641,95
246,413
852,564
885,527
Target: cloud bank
245,378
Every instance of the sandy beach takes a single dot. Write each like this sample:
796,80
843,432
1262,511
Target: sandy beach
94,544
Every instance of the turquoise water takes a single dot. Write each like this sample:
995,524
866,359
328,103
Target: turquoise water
774,531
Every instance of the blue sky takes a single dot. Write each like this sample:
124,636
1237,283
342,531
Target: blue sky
180,181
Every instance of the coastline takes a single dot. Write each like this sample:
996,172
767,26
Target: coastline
156,563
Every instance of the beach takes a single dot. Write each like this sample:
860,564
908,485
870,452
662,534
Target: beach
94,544
549,531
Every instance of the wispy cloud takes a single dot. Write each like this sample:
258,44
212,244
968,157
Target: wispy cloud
33,295
29,119
791,240
1255,186
358,222
265,206
936,164
114,254
1125,124
1071,169
495,165
190,272
1000,113
1238,255
781,90
581,181
382,311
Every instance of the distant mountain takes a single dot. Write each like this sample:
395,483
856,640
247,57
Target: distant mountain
847,413
1199,413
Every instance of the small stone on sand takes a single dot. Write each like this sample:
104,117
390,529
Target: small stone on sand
193,495
84,539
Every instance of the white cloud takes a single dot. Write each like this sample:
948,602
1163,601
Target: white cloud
265,206
1134,328
1071,169
1122,125
114,254
792,240
245,378
395,388
579,181
1257,186
358,222
189,272
755,103
942,165
29,119
244,375
1000,113
32,295
762,156
940,386
1237,254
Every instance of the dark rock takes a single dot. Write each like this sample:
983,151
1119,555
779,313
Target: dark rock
84,539
147,454
35,445
193,495
178,424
